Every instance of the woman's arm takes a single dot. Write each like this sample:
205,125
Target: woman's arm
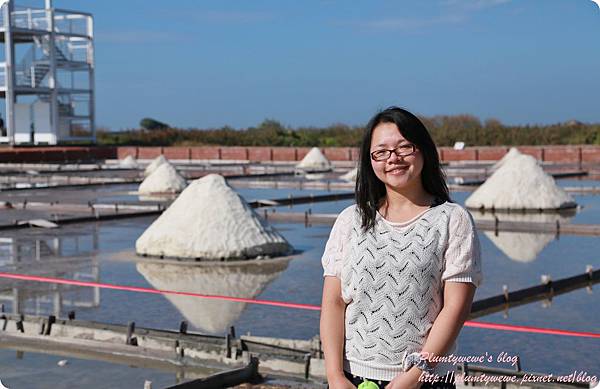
458,297
333,309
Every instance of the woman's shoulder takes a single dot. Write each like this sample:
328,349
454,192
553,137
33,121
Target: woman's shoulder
451,207
458,215
348,213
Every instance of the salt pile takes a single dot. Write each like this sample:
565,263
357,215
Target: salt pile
513,152
350,176
128,163
314,161
156,162
246,279
165,179
520,183
209,220
519,246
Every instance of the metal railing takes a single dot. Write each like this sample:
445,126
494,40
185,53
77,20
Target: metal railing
65,21
2,74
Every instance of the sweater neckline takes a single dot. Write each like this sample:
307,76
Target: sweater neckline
408,222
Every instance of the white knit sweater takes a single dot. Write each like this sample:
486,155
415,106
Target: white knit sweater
392,280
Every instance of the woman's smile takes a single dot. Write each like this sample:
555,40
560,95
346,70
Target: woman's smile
398,170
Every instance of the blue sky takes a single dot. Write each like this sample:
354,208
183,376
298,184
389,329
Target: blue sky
207,64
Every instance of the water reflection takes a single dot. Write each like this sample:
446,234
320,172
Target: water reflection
37,252
523,246
237,279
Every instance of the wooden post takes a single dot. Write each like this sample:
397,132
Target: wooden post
183,327
228,346
51,320
307,366
496,222
19,324
130,331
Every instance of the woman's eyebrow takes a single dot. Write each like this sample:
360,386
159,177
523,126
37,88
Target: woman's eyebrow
400,143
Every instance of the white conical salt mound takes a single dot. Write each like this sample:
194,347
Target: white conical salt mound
513,152
314,160
156,162
209,220
165,179
128,163
520,183
519,246
350,176
245,279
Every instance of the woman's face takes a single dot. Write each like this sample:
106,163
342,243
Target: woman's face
396,172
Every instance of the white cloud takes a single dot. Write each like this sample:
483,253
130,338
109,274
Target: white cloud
234,16
407,24
452,12
473,5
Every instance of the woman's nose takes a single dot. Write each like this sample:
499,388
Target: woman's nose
394,158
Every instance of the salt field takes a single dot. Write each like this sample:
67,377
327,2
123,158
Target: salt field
105,251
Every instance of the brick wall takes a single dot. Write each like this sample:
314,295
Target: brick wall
560,154
57,154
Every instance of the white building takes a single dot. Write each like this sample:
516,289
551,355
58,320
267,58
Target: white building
46,74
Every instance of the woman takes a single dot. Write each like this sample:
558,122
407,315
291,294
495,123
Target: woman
401,265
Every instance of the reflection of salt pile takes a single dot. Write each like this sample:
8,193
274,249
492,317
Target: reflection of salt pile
165,179
245,279
156,162
209,220
314,161
128,163
513,152
520,183
350,176
522,247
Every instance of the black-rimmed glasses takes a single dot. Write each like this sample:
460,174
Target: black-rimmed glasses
400,151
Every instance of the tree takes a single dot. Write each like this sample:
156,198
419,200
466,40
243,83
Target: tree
152,124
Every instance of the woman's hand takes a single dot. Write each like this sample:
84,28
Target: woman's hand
340,382
408,380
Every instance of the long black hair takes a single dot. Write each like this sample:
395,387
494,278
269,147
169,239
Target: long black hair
370,190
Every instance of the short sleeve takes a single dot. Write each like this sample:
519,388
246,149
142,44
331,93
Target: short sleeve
335,249
462,259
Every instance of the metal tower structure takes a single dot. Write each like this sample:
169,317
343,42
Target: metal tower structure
46,75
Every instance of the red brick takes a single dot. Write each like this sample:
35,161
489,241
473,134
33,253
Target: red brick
149,152
124,151
563,154
205,152
449,154
535,151
103,152
491,153
590,154
234,153
79,155
337,153
301,152
355,153
176,152
284,154
257,154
